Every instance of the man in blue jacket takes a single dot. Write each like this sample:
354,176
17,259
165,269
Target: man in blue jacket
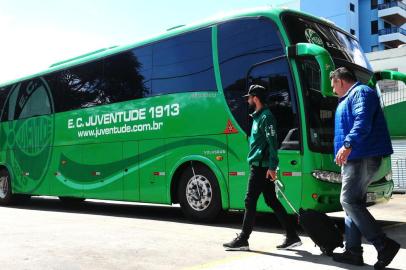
361,140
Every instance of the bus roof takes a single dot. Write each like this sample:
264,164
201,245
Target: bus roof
101,53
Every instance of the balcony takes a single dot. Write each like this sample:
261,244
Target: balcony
393,12
392,37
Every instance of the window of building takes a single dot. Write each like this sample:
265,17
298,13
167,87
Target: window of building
352,7
352,31
387,25
374,4
374,27
374,48
183,64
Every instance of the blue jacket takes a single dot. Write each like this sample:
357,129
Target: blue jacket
360,120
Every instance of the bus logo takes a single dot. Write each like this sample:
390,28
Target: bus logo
29,139
313,37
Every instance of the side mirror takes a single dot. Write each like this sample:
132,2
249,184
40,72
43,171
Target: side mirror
386,75
323,58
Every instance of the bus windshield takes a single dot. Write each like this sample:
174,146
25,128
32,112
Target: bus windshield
345,51
339,44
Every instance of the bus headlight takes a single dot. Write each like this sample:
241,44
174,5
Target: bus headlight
327,176
388,177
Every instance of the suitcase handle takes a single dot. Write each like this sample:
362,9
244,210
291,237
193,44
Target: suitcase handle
279,188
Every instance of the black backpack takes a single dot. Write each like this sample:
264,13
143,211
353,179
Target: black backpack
321,229
318,226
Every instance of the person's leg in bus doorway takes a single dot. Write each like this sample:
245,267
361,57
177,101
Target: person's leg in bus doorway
257,184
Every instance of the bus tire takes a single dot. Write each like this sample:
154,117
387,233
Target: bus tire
21,198
71,200
199,193
6,195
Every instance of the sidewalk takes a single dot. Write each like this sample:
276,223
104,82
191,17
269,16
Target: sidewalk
264,255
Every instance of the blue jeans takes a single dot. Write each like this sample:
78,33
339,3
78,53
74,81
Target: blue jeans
356,176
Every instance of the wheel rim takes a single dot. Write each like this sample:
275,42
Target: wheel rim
3,187
199,192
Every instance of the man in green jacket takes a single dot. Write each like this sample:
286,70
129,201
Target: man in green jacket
263,161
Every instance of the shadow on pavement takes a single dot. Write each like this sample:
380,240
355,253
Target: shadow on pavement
232,219
314,258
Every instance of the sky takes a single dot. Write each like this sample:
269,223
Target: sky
35,34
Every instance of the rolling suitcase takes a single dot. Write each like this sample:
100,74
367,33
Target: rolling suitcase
318,226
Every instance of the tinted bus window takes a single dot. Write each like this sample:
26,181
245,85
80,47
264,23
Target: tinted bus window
27,99
183,64
3,97
320,111
117,78
78,87
338,44
281,100
241,44
37,102
127,75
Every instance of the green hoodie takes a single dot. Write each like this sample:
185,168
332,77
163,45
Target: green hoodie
263,142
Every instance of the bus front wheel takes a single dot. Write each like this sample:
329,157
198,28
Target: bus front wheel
199,193
71,200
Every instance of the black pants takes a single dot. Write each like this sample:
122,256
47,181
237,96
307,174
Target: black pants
258,184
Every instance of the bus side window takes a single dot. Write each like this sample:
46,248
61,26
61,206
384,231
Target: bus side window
117,78
183,63
127,75
5,99
77,87
4,92
27,99
275,77
9,110
241,44
36,100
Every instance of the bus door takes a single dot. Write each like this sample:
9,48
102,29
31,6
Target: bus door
275,76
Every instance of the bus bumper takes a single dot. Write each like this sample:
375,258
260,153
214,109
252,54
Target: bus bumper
325,196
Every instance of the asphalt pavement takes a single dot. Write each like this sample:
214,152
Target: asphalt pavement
46,234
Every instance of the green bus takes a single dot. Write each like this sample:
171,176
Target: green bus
164,121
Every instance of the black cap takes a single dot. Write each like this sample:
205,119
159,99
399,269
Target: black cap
256,90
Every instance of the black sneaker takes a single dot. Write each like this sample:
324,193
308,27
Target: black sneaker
386,255
239,243
290,242
349,258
